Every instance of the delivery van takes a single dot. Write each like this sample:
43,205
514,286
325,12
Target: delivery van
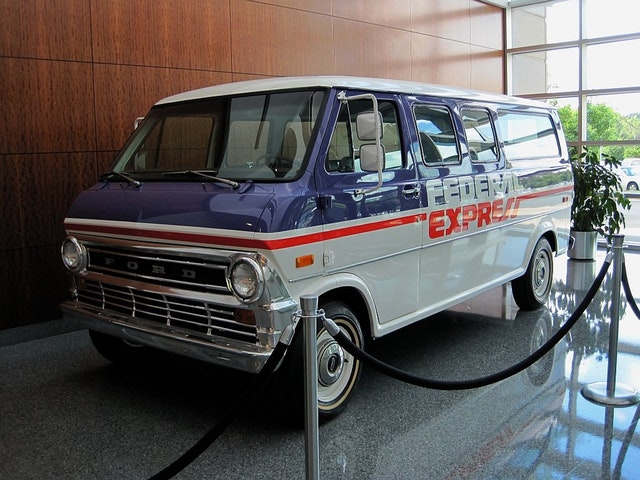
388,200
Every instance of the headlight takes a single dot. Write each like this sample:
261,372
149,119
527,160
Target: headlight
245,279
74,255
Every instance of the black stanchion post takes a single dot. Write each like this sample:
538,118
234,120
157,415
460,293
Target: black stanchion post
309,307
610,393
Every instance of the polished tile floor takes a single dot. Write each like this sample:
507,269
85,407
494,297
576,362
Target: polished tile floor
66,413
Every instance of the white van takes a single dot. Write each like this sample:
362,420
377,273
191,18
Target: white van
389,200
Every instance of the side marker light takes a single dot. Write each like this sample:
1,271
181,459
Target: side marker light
304,261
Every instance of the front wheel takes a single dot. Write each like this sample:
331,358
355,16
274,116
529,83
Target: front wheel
338,371
117,350
531,290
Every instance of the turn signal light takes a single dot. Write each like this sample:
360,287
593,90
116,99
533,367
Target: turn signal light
304,261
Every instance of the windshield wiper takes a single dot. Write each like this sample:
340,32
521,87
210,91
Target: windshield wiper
121,175
209,174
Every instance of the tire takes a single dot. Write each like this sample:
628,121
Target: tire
116,349
531,290
338,371
632,186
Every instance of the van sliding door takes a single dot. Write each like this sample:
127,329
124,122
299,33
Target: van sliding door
463,184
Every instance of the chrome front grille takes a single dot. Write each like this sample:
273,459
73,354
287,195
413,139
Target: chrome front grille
182,291
160,268
184,314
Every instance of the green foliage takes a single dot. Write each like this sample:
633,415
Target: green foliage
598,198
569,119
604,124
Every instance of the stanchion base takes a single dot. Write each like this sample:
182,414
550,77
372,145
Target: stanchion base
623,396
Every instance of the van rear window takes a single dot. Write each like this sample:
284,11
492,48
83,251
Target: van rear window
528,135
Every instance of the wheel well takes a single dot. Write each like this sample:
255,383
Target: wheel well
551,238
354,299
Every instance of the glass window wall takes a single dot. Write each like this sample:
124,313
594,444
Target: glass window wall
580,55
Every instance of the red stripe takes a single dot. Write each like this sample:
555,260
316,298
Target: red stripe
275,244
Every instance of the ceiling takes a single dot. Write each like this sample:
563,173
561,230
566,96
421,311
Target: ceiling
513,3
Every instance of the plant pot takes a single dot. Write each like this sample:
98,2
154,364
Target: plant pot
584,245
580,275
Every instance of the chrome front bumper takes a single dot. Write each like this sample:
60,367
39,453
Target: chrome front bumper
215,350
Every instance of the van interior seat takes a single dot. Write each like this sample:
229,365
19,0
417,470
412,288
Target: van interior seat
429,150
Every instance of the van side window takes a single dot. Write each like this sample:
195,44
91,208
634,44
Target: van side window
344,156
481,137
437,135
528,135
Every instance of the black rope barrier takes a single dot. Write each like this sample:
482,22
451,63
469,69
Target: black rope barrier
412,379
281,348
627,292
236,409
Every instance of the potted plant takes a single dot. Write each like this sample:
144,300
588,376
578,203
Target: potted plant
597,203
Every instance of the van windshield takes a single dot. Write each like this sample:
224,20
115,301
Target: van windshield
262,137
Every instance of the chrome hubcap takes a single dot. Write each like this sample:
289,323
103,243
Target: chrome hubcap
540,275
330,362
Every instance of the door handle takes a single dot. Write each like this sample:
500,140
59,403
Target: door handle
411,191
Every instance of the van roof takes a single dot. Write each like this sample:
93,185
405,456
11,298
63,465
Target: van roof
355,83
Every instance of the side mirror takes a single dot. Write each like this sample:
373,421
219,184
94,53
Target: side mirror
371,159
366,126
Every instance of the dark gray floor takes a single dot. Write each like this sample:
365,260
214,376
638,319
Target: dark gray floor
66,413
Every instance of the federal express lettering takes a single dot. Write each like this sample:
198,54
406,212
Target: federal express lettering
229,203
470,202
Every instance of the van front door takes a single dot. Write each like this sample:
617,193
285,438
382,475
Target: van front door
374,236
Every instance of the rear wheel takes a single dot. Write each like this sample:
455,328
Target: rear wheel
338,371
531,290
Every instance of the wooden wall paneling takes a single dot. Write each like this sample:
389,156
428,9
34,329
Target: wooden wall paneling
277,41
47,106
241,77
442,18
368,50
316,6
452,61
37,191
13,195
32,291
487,66
423,58
487,25
123,93
166,33
391,13
54,30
